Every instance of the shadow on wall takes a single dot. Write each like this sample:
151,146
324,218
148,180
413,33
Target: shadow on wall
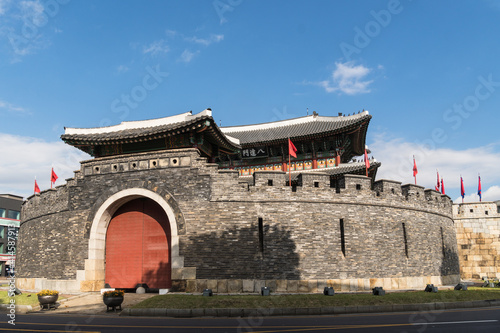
159,277
449,264
259,252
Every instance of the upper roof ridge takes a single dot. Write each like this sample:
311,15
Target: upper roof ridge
125,125
289,122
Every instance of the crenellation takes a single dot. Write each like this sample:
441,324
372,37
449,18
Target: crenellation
46,202
387,188
314,180
357,183
269,178
413,192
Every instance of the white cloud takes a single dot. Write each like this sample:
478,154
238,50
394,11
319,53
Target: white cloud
12,108
187,56
29,157
156,48
206,41
396,156
24,25
348,79
491,194
32,11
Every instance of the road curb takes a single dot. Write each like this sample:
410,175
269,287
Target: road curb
265,312
19,308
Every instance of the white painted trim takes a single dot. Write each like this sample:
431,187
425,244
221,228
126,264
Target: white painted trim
288,122
232,139
139,124
94,265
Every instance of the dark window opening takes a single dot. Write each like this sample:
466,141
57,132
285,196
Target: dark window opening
405,240
261,235
486,212
294,187
472,210
358,187
342,236
269,182
442,243
316,184
14,214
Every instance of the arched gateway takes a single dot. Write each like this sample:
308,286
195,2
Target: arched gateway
133,239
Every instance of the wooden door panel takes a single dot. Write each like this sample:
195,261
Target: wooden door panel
138,246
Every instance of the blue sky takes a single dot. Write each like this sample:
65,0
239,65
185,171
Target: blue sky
426,70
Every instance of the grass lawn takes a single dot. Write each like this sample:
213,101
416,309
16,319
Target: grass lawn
180,301
24,299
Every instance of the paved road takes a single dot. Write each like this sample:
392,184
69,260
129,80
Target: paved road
456,321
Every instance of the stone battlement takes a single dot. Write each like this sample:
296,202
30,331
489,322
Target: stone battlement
46,202
473,210
227,185
317,187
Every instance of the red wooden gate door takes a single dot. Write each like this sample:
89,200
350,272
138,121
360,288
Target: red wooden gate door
138,246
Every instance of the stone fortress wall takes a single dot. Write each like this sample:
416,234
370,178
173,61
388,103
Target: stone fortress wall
232,236
478,237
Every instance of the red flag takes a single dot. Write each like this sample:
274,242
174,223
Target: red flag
479,190
415,170
53,177
462,189
367,163
291,148
442,186
37,189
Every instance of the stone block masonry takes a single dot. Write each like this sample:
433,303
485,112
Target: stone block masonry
478,238
236,236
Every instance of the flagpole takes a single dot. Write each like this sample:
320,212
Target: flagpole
480,188
289,170
462,188
289,164
414,173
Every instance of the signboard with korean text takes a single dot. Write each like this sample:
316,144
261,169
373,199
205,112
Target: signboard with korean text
254,152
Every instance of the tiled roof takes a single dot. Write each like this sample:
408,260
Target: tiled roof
346,168
296,128
137,131
350,168
133,133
